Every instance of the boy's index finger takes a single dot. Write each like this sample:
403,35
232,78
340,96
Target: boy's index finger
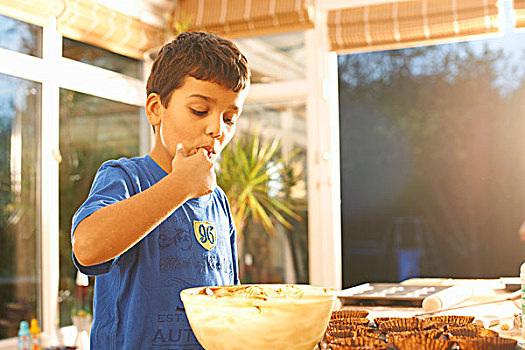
180,149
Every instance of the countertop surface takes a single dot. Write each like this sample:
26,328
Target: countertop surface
483,290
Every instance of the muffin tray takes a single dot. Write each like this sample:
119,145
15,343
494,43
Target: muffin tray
387,294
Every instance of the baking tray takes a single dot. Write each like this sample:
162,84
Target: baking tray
388,294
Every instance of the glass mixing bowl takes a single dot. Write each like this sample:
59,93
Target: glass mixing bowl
257,317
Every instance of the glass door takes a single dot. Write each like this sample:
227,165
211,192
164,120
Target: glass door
20,276
92,130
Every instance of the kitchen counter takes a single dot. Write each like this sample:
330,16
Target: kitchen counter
483,290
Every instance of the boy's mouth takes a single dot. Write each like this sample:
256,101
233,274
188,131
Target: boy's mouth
210,152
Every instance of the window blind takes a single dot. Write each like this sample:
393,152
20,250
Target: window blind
409,23
89,22
237,18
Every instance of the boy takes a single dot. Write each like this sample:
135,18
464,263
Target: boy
154,225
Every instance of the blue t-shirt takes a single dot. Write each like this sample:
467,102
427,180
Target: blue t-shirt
137,303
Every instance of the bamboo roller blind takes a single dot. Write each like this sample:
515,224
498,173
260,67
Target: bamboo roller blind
89,22
519,8
366,28
393,25
235,18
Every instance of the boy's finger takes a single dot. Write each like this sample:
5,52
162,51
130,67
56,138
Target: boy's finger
204,154
180,150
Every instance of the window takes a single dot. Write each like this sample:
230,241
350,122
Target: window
20,36
92,130
98,57
20,277
432,162
275,57
276,60
281,258
44,115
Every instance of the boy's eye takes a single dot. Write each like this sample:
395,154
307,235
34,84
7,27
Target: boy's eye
199,113
229,120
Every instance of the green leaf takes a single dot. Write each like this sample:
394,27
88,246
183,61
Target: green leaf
258,182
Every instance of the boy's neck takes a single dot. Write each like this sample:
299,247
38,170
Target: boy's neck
160,156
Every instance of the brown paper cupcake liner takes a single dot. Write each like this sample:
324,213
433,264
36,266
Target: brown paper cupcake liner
451,319
333,340
347,327
446,326
449,326
468,332
359,343
488,343
357,347
400,325
443,322
349,321
420,341
338,336
348,333
430,333
379,320
342,314
438,326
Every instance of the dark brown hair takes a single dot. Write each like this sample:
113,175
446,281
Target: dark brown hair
199,55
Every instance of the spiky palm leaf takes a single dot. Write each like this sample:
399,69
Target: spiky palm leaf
256,180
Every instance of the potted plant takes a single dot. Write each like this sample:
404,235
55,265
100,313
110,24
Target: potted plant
259,183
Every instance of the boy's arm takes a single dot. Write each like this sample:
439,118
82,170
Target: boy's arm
112,230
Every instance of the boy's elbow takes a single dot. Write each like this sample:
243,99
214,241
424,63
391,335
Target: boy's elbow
79,253
83,255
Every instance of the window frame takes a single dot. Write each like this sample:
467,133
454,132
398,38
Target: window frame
319,90
54,72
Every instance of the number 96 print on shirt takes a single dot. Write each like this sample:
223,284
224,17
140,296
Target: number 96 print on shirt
205,233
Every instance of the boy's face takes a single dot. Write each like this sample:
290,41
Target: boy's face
200,114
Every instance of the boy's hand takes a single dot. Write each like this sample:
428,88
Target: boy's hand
194,170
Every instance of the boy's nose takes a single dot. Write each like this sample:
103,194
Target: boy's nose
215,127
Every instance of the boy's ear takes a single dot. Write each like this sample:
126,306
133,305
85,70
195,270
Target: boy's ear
154,109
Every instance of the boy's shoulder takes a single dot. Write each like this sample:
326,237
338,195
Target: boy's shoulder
132,168
128,164
132,174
